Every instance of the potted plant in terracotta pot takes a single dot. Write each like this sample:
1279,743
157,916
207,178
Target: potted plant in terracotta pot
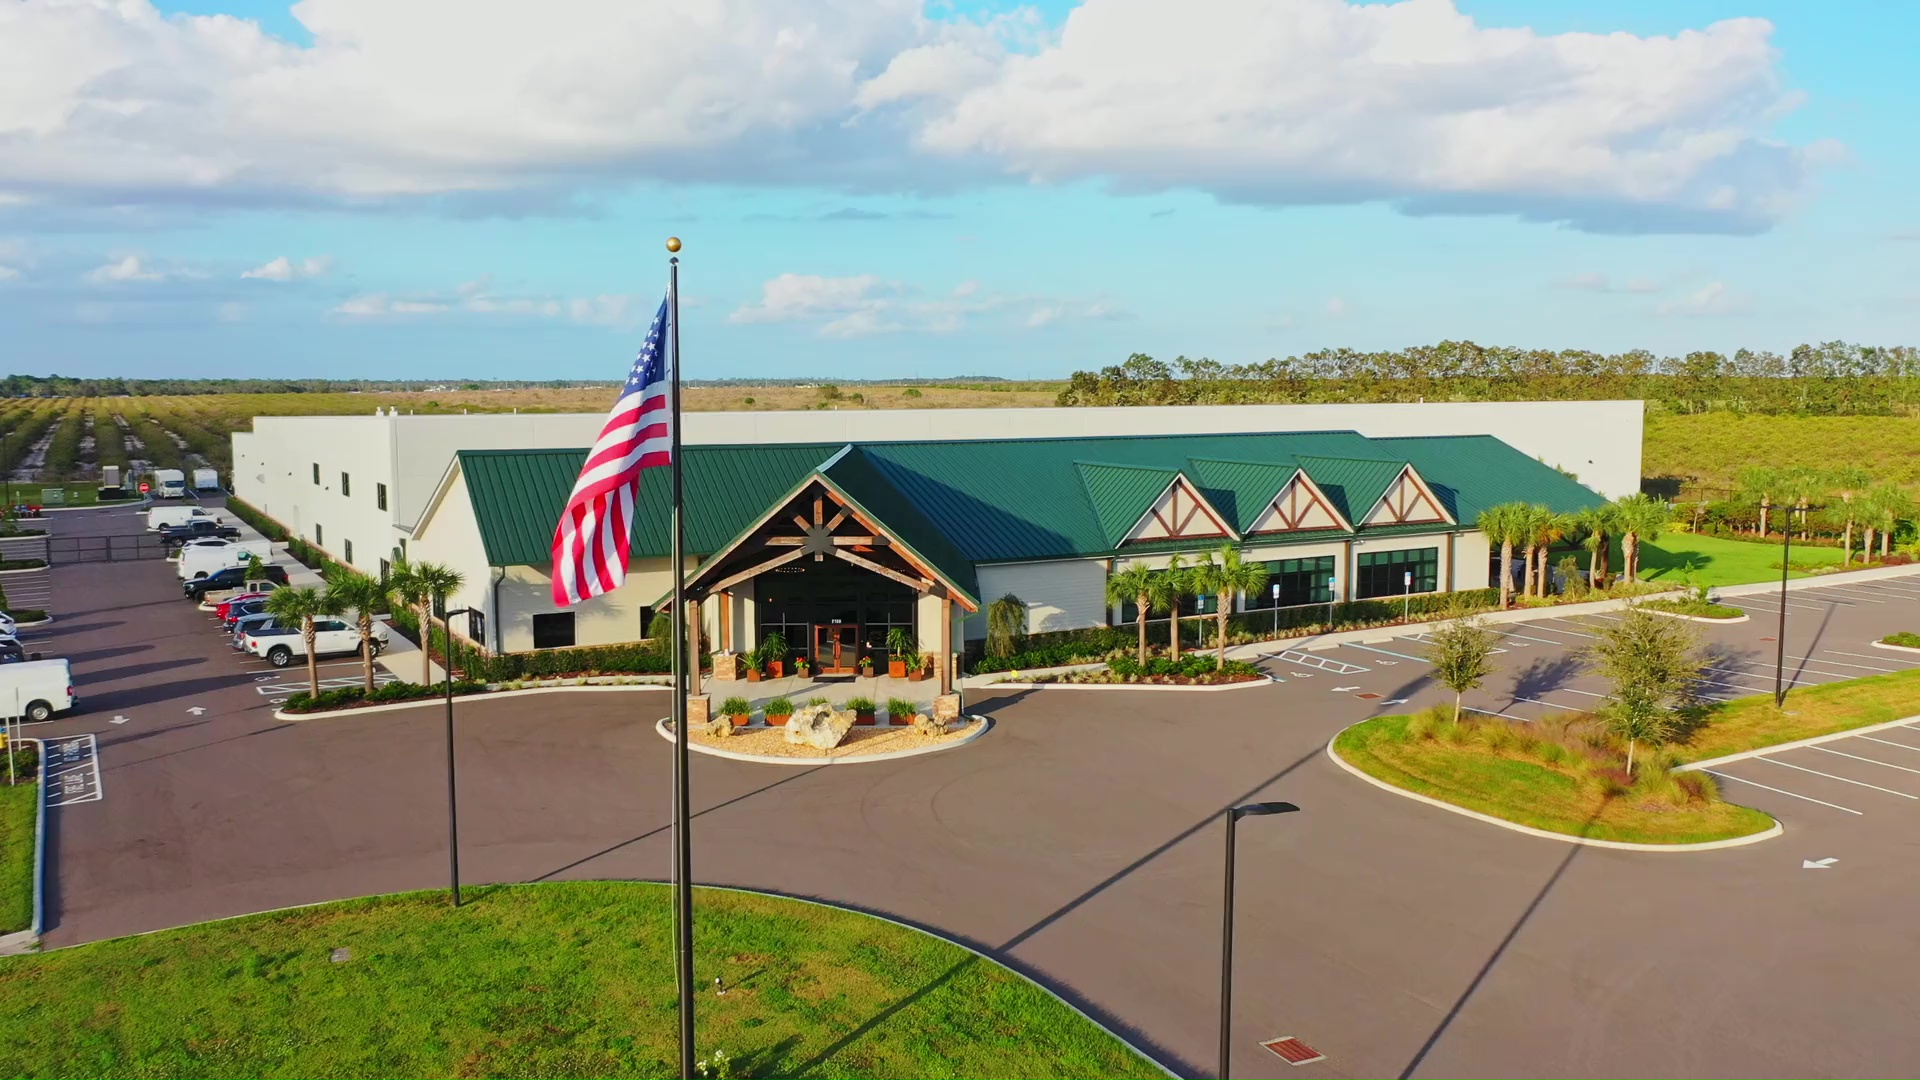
773,654
899,647
802,666
750,663
862,709
918,664
900,711
866,667
737,710
778,710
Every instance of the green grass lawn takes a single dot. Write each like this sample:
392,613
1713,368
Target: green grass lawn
1715,561
19,805
1531,793
1750,723
568,979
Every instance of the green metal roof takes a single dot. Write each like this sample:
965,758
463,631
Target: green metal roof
518,495
960,503
1120,494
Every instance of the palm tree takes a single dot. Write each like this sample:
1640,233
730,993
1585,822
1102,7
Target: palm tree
1641,517
1532,520
1597,525
417,585
1882,510
441,582
1848,481
1169,589
364,596
1757,485
1225,574
1502,525
303,605
1134,585
1006,621
1798,486
1547,527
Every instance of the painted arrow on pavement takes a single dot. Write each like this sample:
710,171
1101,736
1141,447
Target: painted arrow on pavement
119,719
1818,864
1344,689
1395,701
196,710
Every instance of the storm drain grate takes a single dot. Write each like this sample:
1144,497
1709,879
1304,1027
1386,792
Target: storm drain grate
1293,1051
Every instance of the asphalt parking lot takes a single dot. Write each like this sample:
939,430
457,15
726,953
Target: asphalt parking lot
1078,841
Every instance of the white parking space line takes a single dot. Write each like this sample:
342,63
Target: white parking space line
1527,637
1891,658
1383,652
1571,690
1847,592
1772,607
1576,633
1490,712
1889,742
1758,676
1842,779
1840,663
1856,757
1783,791
1892,589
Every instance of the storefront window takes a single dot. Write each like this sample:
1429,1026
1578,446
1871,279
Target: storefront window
1383,573
1301,581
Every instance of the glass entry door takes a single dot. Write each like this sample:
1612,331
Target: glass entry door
836,648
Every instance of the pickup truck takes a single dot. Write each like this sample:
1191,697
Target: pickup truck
330,637
253,588
198,529
233,578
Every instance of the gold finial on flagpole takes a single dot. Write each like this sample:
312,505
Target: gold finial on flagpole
673,243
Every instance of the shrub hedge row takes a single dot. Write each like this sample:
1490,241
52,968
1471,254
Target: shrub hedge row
306,554
302,702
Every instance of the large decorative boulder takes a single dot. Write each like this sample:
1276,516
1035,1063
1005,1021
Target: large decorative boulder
819,726
928,726
719,727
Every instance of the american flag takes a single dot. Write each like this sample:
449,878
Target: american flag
590,543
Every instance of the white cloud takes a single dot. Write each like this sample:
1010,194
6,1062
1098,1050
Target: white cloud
1597,282
282,268
1336,307
126,268
864,304
1713,298
477,298
1268,101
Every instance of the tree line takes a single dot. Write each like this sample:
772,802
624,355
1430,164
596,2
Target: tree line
52,386
1835,378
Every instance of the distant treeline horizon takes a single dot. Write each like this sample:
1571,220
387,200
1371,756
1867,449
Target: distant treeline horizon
62,386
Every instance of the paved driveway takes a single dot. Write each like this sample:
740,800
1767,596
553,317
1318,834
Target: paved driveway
1079,841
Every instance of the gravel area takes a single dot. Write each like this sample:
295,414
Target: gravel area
861,741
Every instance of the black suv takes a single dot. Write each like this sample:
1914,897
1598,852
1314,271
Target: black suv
232,578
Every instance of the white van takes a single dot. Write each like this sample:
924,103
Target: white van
165,517
36,689
199,559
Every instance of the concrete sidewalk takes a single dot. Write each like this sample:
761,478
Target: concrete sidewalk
402,660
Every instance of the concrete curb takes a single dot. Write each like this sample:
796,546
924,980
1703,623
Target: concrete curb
486,695
1245,684
28,940
1819,580
1740,618
660,728
1614,845
29,569
1811,740
48,621
1877,645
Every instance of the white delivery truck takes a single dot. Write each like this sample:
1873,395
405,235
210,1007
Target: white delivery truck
36,689
165,517
170,483
206,480
109,476
201,558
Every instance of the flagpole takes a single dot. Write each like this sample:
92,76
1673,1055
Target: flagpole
682,849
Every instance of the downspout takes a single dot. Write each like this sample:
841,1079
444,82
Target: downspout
500,576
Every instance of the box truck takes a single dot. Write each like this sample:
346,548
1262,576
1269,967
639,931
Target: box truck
206,480
203,557
36,689
170,483
110,476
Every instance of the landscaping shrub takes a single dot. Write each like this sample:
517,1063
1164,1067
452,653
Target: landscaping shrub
260,522
736,706
1906,638
301,702
637,659
26,758
901,708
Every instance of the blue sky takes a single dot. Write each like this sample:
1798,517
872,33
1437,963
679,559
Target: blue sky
348,189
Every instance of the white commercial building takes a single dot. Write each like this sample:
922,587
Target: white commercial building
355,486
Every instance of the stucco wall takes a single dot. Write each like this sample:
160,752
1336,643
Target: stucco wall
1063,595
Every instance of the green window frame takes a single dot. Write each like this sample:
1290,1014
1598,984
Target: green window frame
1383,573
1301,581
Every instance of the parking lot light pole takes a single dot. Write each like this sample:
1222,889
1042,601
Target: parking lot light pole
1233,815
453,802
1780,636
1276,609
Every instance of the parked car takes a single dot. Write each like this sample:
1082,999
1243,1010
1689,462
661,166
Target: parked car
260,623
233,577
7,626
44,687
12,652
232,611
331,637
198,529
252,589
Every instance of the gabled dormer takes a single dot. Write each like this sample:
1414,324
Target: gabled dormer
1408,501
1300,507
1180,513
